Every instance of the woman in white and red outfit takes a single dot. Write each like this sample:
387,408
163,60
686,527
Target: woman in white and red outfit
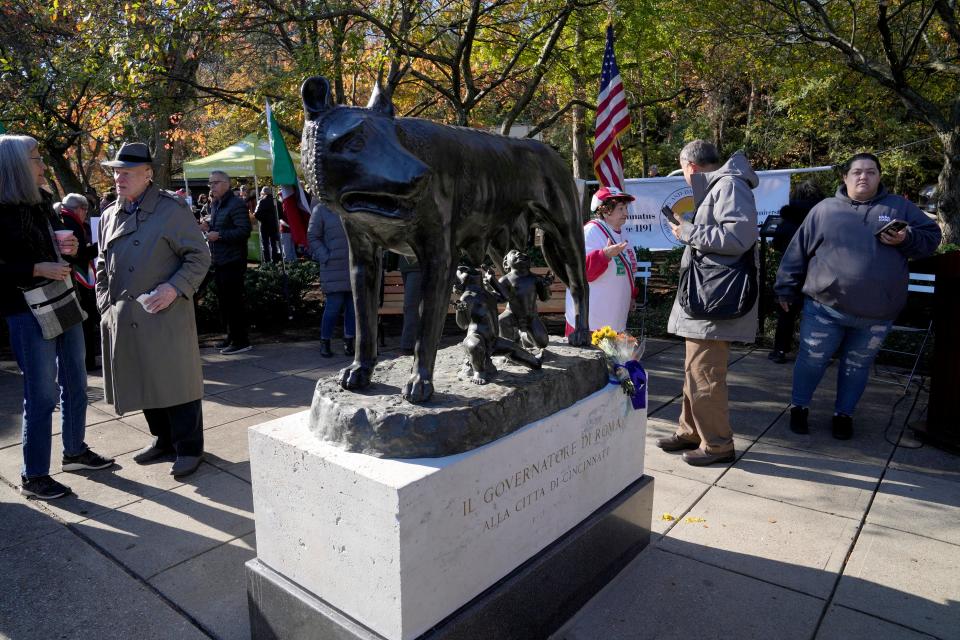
611,263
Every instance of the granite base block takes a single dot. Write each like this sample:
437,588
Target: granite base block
399,545
531,602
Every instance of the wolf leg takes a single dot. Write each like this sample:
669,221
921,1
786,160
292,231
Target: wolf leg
365,275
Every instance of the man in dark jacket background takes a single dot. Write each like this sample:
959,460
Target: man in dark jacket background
806,195
852,281
266,215
227,232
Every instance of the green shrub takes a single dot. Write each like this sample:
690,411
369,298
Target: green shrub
273,295
947,247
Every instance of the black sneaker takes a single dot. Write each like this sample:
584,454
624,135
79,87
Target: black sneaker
42,488
86,460
236,348
798,419
223,344
842,427
777,356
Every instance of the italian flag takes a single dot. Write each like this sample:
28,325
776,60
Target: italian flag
294,203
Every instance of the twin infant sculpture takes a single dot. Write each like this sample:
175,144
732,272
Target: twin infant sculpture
513,331
454,198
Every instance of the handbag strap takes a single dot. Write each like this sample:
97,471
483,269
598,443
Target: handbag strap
749,252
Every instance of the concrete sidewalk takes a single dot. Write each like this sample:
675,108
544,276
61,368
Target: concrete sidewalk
802,537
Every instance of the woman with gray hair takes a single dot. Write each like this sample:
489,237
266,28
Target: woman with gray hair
74,212
52,367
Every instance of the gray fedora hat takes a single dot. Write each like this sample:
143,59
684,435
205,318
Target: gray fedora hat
131,154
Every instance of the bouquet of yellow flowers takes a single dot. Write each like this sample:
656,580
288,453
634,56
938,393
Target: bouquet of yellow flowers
623,353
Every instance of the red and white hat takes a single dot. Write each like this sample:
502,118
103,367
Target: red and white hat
609,193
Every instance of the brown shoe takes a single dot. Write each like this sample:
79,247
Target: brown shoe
700,458
673,443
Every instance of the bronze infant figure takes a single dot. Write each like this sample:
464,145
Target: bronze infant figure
443,194
520,320
476,311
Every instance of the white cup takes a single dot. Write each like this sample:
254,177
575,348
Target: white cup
62,234
142,299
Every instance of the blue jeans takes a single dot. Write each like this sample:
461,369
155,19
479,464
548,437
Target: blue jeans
336,303
288,248
823,330
50,367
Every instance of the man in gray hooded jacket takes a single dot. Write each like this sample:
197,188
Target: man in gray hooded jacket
723,229
853,280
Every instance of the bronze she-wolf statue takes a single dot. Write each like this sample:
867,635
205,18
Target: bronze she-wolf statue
447,195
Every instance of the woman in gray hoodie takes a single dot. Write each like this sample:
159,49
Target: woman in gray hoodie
852,280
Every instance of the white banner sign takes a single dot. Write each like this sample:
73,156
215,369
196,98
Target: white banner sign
647,228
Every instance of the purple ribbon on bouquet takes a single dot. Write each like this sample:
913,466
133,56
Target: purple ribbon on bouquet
639,377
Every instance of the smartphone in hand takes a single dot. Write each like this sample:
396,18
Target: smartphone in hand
667,213
894,226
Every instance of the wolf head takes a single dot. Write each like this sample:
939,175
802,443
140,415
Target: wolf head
353,159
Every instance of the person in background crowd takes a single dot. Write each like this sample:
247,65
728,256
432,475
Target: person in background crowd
52,368
851,277
74,211
328,247
227,232
287,246
654,171
152,259
611,263
805,196
249,196
109,197
202,207
723,229
187,198
266,215
93,202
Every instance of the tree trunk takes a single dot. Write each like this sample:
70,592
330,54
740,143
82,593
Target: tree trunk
644,150
64,172
948,186
582,156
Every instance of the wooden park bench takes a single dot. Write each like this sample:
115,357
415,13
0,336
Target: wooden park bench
393,295
393,291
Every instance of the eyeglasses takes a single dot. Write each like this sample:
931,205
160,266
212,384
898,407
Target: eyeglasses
37,158
213,182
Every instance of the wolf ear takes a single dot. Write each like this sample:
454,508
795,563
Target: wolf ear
315,92
380,101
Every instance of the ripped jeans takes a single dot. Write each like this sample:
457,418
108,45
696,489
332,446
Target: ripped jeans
823,330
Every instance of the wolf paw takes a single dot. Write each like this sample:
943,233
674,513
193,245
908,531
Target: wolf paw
356,376
580,338
417,389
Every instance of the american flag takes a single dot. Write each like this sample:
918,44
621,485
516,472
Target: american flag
613,118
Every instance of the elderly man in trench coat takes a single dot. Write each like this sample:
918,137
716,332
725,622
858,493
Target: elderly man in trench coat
152,259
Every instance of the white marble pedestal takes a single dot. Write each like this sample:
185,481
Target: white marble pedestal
513,534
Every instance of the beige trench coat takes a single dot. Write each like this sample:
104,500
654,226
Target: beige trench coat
150,361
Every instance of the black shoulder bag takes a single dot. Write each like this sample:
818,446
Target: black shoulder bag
712,291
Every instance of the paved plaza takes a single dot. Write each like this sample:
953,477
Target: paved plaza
802,537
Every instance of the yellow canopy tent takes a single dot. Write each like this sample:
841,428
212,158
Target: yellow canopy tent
248,157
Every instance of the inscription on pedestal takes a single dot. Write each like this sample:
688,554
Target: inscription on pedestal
555,471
